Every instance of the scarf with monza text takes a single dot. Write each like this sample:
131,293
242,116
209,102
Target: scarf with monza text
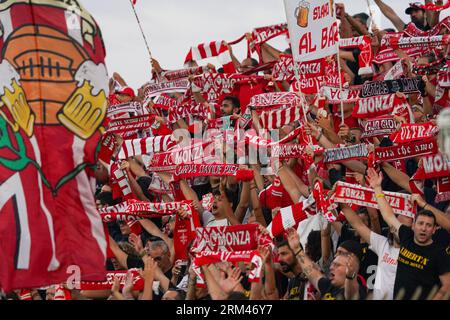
350,193
138,281
413,132
206,257
231,238
284,70
342,154
168,161
375,106
335,95
205,170
413,149
404,85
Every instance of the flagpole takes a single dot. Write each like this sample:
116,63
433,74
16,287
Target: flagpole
302,96
339,70
142,32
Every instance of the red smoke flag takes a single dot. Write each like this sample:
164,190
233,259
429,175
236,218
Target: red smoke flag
53,89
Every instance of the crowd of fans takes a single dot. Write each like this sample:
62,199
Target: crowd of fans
365,253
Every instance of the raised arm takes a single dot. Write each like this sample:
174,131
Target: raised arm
391,15
441,218
385,209
356,222
310,269
270,287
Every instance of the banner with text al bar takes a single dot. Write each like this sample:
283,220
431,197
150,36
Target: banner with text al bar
313,28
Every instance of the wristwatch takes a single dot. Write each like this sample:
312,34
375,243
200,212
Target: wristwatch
352,277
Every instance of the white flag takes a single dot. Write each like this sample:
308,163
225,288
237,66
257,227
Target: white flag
313,29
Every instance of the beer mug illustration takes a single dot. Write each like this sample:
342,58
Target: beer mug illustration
84,111
302,14
13,97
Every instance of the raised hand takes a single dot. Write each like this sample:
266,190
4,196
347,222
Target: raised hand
375,179
136,241
228,284
293,239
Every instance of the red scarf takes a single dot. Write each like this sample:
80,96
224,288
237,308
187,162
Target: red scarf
263,34
183,73
61,293
232,238
154,89
107,147
274,99
137,147
290,217
131,124
410,150
164,102
434,166
205,170
119,109
138,281
283,70
365,57
413,132
375,106
443,190
205,258
288,151
350,193
424,42
275,119
380,126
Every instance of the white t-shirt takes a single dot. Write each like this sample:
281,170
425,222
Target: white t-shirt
209,220
387,267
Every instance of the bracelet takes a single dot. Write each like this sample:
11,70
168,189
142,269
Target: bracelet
350,277
379,196
424,207
301,249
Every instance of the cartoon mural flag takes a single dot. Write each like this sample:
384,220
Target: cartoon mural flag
53,89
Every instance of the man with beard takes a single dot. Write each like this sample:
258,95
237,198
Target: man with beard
422,19
423,265
289,264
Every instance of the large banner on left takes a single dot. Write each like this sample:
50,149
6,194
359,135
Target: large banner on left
53,95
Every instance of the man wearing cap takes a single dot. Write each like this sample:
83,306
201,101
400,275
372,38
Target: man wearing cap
417,14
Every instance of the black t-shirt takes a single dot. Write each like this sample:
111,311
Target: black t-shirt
368,265
419,266
329,292
296,288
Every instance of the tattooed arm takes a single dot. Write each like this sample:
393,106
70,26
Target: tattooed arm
309,268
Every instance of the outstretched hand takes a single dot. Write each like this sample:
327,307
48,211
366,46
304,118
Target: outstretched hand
375,179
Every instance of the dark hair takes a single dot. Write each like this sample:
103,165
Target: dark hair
363,16
314,246
105,197
426,213
234,100
282,244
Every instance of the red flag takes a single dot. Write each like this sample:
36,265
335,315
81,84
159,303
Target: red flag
50,127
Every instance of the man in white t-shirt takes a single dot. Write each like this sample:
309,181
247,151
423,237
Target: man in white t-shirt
221,213
387,250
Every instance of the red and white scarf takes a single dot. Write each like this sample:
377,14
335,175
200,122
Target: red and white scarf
434,166
380,126
184,171
232,238
263,34
163,208
404,85
138,281
351,193
405,151
424,42
131,124
395,72
137,147
335,96
205,258
124,188
273,99
275,119
344,153
365,57
214,85
389,54
324,204
412,30
168,161
155,89
287,151
62,293
212,49
375,106
107,147
164,102
443,190
119,109
435,7
290,217
252,139
284,70
444,77
413,132
172,75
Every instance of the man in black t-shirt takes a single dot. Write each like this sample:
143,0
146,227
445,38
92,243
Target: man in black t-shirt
423,265
343,280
